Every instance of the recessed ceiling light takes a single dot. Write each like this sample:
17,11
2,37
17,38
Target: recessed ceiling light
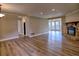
41,13
53,9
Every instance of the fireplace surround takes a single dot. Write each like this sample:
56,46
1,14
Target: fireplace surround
72,30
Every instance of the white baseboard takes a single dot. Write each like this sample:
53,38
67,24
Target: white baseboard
9,36
17,36
38,34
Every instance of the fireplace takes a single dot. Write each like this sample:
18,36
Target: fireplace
71,30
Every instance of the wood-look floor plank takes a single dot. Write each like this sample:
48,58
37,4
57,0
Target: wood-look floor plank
3,51
35,49
24,48
8,51
39,46
54,50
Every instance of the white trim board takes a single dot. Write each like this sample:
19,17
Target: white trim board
9,38
14,37
38,34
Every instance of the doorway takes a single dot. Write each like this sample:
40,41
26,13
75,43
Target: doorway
22,28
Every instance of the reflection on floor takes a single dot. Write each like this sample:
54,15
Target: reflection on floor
55,39
51,44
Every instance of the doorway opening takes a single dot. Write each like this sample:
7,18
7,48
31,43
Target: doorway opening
24,28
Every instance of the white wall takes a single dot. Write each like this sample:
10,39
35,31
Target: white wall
38,25
8,26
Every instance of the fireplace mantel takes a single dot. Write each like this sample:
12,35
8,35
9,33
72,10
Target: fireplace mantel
76,22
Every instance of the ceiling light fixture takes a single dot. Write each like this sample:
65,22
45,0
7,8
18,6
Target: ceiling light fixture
53,9
1,14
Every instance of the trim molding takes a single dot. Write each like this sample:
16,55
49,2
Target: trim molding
9,38
38,34
17,36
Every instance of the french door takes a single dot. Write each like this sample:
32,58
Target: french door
55,25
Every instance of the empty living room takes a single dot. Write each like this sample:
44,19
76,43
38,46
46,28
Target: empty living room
39,29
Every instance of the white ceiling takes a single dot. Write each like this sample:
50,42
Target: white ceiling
34,9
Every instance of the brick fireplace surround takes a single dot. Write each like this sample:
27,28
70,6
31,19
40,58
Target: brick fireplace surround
71,30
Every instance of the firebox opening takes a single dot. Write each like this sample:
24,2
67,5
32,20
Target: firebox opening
71,30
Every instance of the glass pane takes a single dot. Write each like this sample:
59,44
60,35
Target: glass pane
57,25
49,23
53,25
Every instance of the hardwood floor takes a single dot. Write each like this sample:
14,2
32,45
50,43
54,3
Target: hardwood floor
52,44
